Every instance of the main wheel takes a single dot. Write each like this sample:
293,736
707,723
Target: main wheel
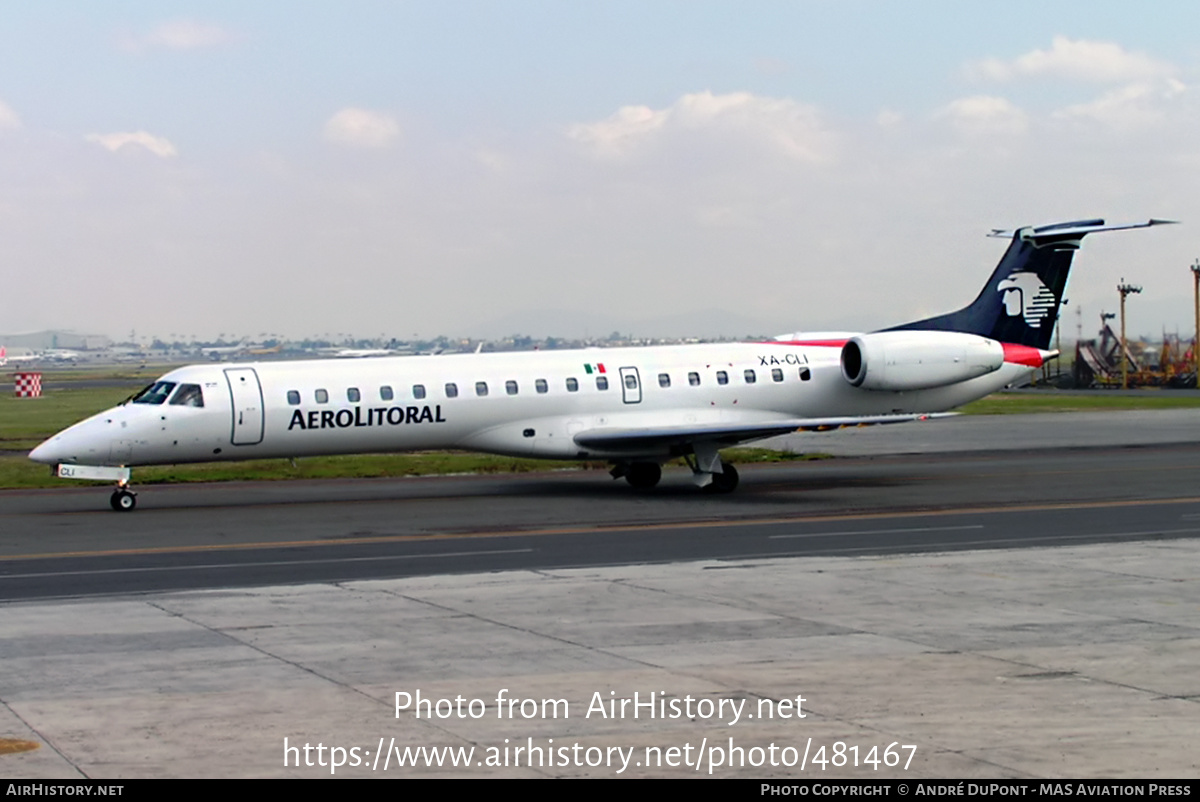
724,482
643,475
122,500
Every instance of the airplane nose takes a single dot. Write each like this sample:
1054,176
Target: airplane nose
48,452
85,442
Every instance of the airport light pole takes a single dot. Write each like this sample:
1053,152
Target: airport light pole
1196,340
1125,289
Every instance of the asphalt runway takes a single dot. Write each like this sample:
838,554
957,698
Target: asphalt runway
1018,599
67,543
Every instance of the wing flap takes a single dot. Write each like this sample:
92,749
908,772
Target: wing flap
728,434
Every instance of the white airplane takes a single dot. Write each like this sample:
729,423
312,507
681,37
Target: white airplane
59,355
359,353
6,357
219,351
634,407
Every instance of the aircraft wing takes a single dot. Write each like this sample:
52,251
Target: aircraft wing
728,434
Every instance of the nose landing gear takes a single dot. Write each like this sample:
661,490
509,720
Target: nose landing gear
123,499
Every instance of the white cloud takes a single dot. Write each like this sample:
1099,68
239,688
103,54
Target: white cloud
181,34
792,128
159,146
361,128
8,117
630,125
1076,59
1127,107
1143,84
985,114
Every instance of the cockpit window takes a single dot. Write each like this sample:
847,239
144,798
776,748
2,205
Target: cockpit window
188,395
155,393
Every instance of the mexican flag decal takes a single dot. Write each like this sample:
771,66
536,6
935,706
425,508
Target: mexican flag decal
597,367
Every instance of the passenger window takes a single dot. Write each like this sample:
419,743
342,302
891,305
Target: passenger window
510,387
541,386
664,380
385,393
418,391
722,377
601,382
805,374
630,381
751,376
189,395
777,374
452,390
694,379
572,385
322,397
352,395
294,397
480,388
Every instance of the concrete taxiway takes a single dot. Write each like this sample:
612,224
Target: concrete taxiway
1013,661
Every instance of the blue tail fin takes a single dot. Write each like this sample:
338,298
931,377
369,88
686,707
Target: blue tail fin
1019,304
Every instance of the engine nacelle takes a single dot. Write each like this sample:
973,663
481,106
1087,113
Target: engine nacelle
918,360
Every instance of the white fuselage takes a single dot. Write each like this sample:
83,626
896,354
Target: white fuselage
507,403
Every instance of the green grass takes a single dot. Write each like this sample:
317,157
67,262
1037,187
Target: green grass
744,455
1050,401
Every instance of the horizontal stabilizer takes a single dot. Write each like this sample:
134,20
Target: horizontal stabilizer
1071,231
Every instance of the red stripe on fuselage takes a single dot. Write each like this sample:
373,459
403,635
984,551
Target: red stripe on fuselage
814,343
1016,354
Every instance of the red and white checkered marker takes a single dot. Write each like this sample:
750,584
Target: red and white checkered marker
28,385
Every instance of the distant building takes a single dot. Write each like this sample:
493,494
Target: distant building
43,340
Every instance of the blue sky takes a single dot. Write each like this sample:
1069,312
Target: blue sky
561,168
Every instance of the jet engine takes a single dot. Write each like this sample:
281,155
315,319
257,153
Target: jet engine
918,360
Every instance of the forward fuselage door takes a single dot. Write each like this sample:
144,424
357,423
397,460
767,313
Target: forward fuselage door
631,386
246,394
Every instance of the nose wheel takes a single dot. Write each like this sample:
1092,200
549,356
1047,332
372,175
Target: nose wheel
123,499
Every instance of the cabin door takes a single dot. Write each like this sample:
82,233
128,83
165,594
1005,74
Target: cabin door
246,395
631,386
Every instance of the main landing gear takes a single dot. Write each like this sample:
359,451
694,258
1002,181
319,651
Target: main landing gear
711,473
639,475
724,482
645,475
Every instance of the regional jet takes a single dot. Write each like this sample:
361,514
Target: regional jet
633,407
